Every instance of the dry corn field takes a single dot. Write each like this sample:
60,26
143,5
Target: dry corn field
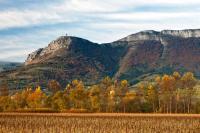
98,123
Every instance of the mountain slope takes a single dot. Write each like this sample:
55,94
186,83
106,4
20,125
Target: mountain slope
160,51
135,57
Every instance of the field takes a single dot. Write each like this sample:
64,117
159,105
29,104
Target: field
98,123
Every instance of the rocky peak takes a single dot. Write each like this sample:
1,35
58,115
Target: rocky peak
155,35
144,35
33,55
182,33
69,43
61,42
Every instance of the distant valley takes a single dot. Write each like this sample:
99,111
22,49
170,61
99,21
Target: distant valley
5,66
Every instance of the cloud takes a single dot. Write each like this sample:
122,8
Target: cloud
18,56
75,10
26,18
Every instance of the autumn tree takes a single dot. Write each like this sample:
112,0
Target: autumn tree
167,94
78,94
177,92
68,88
105,85
188,82
54,86
124,87
152,97
36,99
130,102
60,101
7,104
20,98
111,99
121,88
115,92
142,91
94,95
166,86
4,90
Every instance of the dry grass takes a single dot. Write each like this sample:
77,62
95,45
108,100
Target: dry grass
98,123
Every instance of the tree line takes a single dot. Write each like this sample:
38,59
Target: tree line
174,93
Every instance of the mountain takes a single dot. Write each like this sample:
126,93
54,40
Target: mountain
136,57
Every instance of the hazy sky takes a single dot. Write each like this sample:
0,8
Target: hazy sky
26,25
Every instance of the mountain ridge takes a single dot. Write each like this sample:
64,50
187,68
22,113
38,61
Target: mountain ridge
135,58
65,41
156,35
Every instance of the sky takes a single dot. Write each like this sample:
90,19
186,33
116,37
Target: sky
26,25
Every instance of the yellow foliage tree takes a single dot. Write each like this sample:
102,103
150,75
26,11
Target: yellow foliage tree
36,98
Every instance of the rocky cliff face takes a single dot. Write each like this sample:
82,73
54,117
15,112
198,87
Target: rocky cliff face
177,50
61,42
182,33
133,57
154,35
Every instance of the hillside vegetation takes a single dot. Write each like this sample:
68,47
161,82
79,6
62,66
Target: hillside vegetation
165,94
